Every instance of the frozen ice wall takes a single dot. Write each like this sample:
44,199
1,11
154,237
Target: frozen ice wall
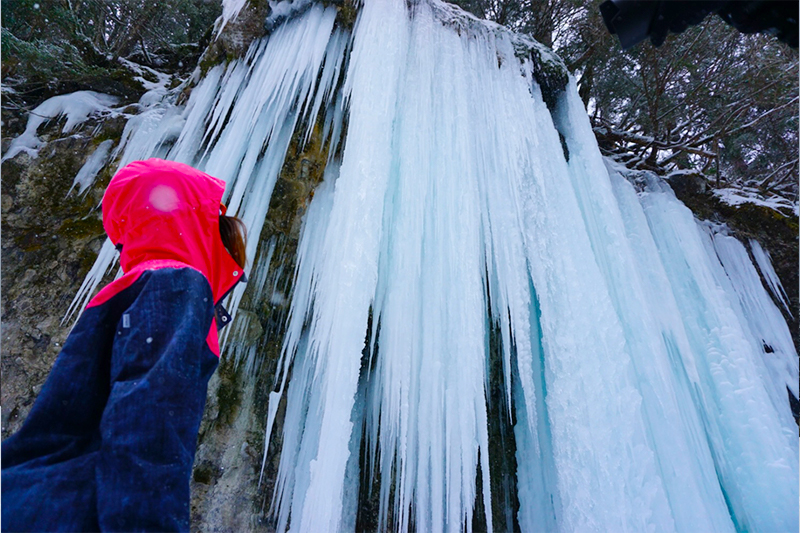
643,363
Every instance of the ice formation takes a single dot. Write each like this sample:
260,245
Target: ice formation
94,163
643,362
765,266
230,8
76,107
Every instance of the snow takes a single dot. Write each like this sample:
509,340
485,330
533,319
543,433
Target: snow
738,196
156,90
77,107
632,339
156,125
681,172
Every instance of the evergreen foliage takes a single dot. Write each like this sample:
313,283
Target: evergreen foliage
51,47
710,98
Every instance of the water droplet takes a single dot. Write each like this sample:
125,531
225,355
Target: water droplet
149,340
235,272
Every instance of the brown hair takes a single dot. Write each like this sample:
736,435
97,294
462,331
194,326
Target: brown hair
234,237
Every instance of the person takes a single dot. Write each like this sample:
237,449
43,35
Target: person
110,441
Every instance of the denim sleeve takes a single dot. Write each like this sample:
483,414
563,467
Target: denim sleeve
48,466
160,366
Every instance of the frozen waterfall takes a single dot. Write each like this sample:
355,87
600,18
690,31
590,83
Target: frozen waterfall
643,364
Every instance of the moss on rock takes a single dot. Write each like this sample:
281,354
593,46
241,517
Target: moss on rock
228,397
235,38
49,241
346,14
550,73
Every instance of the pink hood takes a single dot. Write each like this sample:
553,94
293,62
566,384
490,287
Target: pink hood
163,212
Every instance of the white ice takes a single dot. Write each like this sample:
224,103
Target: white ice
765,266
767,326
94,163
632,340
753,441
77,107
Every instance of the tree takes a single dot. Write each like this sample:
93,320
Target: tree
62,45
709,98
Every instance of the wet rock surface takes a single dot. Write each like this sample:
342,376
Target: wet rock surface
49,241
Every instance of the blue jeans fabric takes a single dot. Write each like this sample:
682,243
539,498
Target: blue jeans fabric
110,441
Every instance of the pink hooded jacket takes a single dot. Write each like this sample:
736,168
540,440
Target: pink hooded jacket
164,214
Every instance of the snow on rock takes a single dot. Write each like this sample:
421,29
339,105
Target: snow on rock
156,90
77,107
745,195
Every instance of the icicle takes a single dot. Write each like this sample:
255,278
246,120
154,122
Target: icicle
754,456
248,122
148,134
94,163
694,500
104,263
634,359
769,329
348,270
230,9
765,266
196,115
295,349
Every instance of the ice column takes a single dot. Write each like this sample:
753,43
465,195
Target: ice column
768,330
348,269
683,462
754,452
428,387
